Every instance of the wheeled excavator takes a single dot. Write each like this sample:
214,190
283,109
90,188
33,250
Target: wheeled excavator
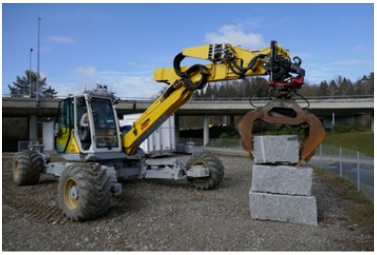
96,153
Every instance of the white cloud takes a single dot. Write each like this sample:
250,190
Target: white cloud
61,39
234,34
123,84
351,62
359,48
86,71
66,88
317,75
351,69
130,84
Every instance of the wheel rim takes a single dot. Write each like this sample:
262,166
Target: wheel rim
16,172
71,195
202,179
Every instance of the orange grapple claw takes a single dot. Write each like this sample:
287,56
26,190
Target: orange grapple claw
288,112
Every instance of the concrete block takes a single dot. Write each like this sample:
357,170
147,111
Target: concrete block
284,208
282,179
276,149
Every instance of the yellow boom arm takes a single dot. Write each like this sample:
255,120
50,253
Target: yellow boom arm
228,63
219,70
155,115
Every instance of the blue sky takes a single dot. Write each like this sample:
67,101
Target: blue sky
121,44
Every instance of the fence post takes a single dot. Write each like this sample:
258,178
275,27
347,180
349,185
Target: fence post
320,154
340,162
358,171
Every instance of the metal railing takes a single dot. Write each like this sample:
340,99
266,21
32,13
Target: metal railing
216,98
269,98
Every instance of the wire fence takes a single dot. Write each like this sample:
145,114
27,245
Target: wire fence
349,164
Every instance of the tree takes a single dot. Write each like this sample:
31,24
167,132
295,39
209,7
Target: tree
345,86
26,86
365,86
308,90
323,88
259,87
208,93
49,92
333,89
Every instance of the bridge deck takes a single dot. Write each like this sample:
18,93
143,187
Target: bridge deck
23,107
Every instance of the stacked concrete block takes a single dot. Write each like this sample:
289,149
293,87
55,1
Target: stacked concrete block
281,192
276,149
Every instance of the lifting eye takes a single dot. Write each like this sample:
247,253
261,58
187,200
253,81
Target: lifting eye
297,61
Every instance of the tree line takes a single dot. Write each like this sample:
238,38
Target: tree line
258,87
25,86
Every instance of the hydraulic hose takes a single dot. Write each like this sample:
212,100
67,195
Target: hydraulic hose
242,70
203,70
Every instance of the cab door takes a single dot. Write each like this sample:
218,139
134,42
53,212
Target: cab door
64,125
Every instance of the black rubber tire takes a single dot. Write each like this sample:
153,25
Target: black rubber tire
213,164
27,167
84,191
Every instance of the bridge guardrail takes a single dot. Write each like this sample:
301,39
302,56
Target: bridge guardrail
218,98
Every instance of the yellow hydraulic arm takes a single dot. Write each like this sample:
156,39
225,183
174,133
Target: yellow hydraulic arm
220,69
182,85
227,63
176,95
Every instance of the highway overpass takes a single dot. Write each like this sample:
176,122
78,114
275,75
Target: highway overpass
24,107
330,110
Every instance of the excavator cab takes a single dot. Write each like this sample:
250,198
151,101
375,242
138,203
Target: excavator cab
87,123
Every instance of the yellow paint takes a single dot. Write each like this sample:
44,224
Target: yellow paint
73,146
62,141
219,71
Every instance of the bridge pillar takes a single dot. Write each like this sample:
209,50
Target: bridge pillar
205,130
33,128
176,127
372,122
48,135
232,120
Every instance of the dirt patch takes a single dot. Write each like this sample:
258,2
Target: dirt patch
155,215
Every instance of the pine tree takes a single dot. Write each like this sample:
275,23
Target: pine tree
25,86
323,89
365,86
333,89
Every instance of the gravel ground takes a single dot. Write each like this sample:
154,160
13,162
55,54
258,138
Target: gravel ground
155,215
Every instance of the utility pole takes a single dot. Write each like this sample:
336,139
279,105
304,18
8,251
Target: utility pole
31,83
37,85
